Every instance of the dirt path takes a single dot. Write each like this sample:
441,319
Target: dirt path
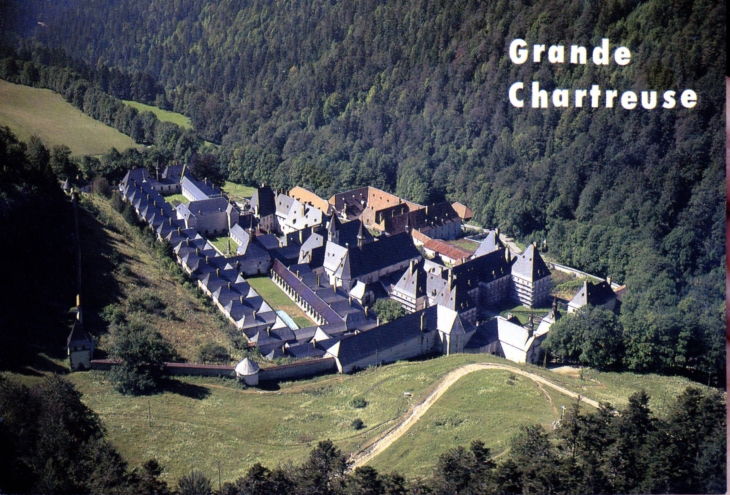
387,438
547,397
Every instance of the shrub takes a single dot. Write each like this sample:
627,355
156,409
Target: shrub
213,353
358,403
357,424
195,483
388,310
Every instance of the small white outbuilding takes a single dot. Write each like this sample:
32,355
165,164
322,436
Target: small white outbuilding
248,371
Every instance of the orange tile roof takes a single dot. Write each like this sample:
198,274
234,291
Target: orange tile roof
462,210
306,196
446,249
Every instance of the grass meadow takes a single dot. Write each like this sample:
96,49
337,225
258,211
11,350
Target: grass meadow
162,115
487,406
41,112
200,421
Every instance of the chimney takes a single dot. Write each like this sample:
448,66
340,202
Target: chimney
240,299
349,300
297,273
187,242
254,314
197,251
366,311
268,331
217,270
207,260
608,279
377,322
423,321
170,221
178,229
314,342
318,277
507,255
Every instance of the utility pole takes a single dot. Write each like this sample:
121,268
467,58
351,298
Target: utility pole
219,476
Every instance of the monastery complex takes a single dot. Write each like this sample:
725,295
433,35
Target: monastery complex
335,258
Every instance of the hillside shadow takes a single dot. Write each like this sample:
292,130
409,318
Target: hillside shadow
99,259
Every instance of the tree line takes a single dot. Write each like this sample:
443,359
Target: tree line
53,443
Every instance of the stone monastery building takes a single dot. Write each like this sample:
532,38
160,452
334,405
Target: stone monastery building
334,258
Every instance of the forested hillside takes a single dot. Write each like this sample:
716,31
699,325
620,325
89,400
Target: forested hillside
411,96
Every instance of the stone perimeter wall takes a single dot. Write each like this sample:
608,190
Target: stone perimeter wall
279,373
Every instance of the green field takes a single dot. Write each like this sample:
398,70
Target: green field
201,421
40,112
204,420
176,199
237,191
162,115
278,300
487,406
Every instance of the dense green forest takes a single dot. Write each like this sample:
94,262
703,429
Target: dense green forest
412,97
53,443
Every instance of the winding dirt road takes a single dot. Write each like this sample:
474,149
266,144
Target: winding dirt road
387,438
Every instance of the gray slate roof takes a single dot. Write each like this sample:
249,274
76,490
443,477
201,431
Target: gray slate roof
530,266
365,344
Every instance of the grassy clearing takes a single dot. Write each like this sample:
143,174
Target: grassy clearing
488,406
40,112
523,312
565,285
176,199
122,270
222,242
278,300
162,115
237,191
205,420
466,244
